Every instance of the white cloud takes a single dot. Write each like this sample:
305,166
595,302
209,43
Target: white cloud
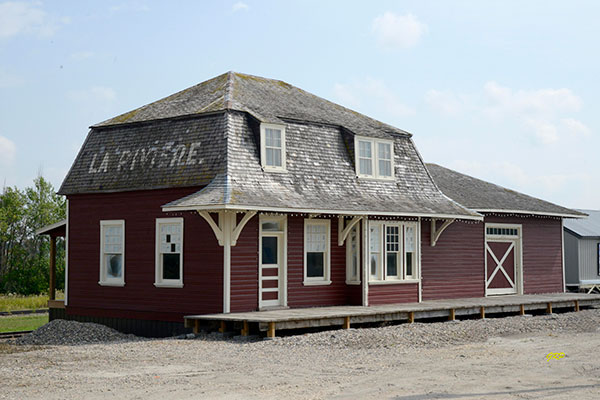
395,32
240,6
546,132
503,100
8,150
374,93
446,103
574,127
546,114
27,18
96,93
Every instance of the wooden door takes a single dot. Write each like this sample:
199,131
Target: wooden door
502,266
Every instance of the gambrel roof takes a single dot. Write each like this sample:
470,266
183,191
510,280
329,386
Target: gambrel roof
208,137
484,196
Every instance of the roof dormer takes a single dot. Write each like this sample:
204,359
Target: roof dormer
272,147
374,157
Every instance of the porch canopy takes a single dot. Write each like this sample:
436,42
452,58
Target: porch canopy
58,229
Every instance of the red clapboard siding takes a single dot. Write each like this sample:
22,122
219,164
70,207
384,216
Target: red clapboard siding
542,252
390,294
139,298
454,267
244,269
312,296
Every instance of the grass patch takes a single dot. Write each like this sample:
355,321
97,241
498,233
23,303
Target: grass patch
13,302
14,323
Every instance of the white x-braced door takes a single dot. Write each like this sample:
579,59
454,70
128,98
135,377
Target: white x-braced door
503,259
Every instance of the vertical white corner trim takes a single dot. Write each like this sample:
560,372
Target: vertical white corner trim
562,247
226,225
365,263
67,257
418,233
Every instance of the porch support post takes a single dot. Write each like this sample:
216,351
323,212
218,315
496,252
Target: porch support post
365,263
52,291
226,226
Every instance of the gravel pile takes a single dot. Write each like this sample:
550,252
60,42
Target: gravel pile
440,334
62,332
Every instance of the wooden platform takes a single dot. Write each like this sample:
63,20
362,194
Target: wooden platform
298,318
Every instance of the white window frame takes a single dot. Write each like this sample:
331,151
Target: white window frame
350,279
263,141
104,279
381,273
374,157
326,278
158,274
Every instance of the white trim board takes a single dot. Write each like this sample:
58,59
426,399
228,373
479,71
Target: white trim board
549,214
218,207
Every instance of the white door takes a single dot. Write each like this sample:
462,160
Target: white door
503,259
271,274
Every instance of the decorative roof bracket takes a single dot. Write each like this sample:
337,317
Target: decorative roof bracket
437,232
236,229
343,231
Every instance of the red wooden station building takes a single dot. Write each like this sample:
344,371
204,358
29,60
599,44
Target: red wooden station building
244,194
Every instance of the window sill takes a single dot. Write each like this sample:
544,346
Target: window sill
168,285
280,170
316,283
115,284
352,282
376,178
394,282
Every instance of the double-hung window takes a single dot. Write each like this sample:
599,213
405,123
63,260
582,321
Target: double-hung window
317,252
393,251
272,149
374,158
169,252
112,253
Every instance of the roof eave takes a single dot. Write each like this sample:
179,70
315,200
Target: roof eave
175,208
525,212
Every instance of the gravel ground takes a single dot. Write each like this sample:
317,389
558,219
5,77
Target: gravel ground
61,332
501,358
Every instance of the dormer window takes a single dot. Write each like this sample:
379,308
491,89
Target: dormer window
374,158
272,148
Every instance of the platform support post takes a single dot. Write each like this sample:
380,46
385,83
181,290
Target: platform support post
245,328
271,331
522,309
482,312
222,327
411,317
549,308
452,315
346,322
576,305
196,326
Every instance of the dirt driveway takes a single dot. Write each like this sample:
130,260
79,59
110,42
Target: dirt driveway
352,364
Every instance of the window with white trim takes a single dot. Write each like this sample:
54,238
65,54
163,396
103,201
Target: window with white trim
169,252
112,253
272,147
353,256
374,158
393,251
317,251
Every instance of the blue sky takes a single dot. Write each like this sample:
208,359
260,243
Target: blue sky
504,91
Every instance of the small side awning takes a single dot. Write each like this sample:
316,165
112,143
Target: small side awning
58,229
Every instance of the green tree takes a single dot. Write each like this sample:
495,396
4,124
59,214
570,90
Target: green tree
24,256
